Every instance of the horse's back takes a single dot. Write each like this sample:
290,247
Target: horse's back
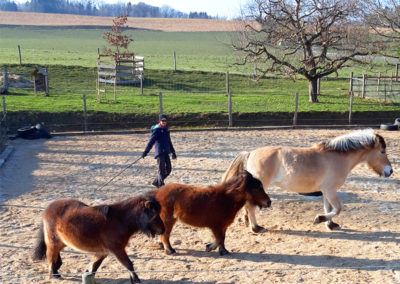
75,224
195,206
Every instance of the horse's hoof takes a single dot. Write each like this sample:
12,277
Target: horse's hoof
223,252
56,276
319,219
170,251
258,229
135,278
210,247
332,226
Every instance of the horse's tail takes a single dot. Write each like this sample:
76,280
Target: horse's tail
237,166
39,251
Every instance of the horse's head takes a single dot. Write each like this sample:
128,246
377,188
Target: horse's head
150,222
255,193
377,158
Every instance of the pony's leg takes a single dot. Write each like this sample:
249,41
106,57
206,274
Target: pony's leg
250,209
54,260
330,225
127,263
96,263
332,199
219,242
168,224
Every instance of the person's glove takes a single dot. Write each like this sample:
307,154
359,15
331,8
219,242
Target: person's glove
173,156
144,155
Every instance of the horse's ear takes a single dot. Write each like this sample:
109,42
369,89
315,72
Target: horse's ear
147,204
379,141
103,209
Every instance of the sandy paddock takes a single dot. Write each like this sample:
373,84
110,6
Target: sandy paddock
367,249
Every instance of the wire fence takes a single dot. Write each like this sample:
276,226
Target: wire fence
206,99
382,88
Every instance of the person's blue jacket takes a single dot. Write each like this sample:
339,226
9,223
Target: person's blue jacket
160,136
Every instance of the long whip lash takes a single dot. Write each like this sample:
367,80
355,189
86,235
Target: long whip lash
127,167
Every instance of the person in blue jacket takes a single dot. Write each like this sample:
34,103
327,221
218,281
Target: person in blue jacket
161,138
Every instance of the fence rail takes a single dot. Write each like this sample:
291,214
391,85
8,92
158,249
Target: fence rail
383,88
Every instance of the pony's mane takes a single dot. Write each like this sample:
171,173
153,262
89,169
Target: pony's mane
353,141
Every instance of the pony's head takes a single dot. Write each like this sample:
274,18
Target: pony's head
373,145
254,190
377,158
149,220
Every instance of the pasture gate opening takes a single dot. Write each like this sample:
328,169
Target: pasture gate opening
118,69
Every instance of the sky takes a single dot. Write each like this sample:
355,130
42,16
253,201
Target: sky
222,8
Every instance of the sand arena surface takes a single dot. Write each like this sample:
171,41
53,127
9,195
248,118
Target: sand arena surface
293,250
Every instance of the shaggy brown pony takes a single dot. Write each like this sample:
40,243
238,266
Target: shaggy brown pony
99,230
214,207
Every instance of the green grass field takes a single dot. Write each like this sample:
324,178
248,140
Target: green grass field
197,88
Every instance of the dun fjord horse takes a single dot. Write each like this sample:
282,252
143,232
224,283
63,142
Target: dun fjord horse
323,167
99,230
213,207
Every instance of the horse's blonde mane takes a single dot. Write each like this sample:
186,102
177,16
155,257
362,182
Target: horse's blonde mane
353,141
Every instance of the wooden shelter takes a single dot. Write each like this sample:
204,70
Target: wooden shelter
118,69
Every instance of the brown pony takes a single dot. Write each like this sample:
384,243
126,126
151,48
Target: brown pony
214,207
99,230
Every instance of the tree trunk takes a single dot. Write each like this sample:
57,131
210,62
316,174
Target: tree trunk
313,90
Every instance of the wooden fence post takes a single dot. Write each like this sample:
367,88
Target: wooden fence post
46,80
174,61
230,109
378,87
351,82
397,72
84,114
351,106
296,104
318,86
4,110
227,83
161,103
5,80
19,52
364,85
141,85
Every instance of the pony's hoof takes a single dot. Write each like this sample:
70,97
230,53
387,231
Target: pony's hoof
258,229
223,252
170,251
319,219
135,278
56,276
332,226
210,247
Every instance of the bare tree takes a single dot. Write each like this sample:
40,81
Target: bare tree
312,38
384,18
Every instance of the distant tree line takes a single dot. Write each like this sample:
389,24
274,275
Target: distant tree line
97,8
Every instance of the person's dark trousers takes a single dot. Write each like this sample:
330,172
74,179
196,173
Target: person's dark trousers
164,169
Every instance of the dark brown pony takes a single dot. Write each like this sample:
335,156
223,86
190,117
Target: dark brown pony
214,207
99,230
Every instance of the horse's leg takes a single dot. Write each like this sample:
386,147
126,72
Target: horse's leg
98,259
332,199
330,225
54,259
250,209
127,263
168,224
219,235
